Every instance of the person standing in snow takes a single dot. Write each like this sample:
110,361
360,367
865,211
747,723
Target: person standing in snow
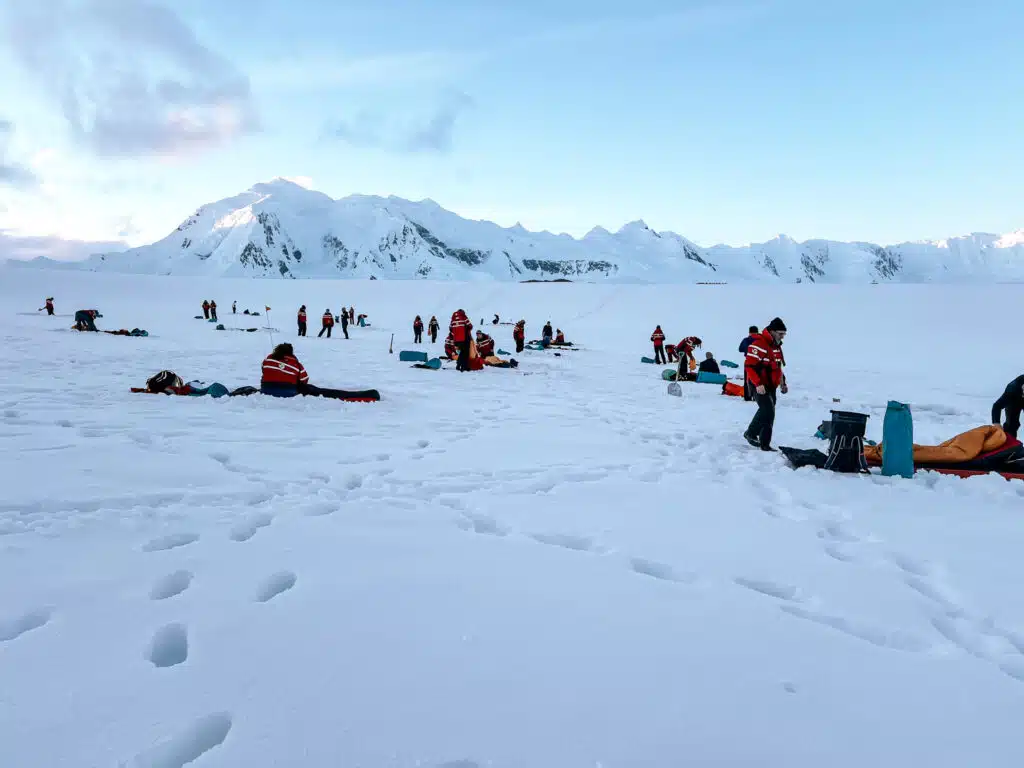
547,334
685,351
344,322
213,310
461,329
328,323
49,305
519,335
351,314
1011,401
764,362
748,391
234,307
658,337
302,320
206,309
417,330
432,328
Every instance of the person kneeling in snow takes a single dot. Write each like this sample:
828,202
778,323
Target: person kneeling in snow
1011,401
450,350
484,344
85,320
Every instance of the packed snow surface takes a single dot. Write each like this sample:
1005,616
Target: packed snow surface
558,565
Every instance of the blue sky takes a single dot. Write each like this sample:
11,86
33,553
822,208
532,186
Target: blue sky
724,121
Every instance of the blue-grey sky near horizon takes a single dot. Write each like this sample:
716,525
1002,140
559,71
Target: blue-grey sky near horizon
726,121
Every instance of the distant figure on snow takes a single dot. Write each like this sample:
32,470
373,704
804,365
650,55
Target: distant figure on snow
351,314
344,322
547,334
658,338
206,309
1011,401
234,307
213,311
327,322
519,335
302,320
461,329
432,328
709,364
496,320
417,330
49,305
559,337
685,351
85,320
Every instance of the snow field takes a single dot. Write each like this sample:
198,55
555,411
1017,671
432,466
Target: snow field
558,565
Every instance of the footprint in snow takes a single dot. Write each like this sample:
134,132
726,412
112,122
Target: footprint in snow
772,589
566,541
481,524
187,746
280,582
13,628
659,571
171,541
247,529
169,646
171,585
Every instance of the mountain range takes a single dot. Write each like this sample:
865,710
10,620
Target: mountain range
279,229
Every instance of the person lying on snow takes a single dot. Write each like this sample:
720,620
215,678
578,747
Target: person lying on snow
708,364
49,306
484,344
284,376
1011,401
85,320
658,338
519,335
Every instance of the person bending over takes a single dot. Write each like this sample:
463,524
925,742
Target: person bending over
1011,401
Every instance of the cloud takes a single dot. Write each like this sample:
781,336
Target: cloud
130,76
21,248
313,71
434,133
126,227
12,174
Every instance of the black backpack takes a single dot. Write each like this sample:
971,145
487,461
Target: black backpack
846,443
163,381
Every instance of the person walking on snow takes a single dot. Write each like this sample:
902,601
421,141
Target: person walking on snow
206,309
344,322
49,306
432,328
417,330
213,310
302,320
461,329
748,391
328,323
234,307
519,335
484,344
1011,401
658,337
763,365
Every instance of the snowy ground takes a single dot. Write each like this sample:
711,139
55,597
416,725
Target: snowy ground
555,566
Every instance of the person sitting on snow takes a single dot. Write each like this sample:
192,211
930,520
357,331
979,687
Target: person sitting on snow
708,364
450,350
284,376
484,344
1011,401
559,337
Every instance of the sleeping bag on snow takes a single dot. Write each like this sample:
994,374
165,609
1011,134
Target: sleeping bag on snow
985,449
703,377
412,356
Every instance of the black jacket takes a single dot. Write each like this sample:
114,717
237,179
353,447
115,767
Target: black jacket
1012,399
708,366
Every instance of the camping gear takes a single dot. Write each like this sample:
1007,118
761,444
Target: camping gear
433,364
504,352
669,374
846,448
704,377
412,356
985,449
200,388
733,390
898,438
164,380
647,360
728,364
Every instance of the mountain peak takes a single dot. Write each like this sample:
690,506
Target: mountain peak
634,226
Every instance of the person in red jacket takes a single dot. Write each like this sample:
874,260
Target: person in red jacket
283,374
450,350
671,356
519,335
417,330
461,328
658,337
49,305
763,366
302,320
206,309
685,351
213,310
484,344
328,323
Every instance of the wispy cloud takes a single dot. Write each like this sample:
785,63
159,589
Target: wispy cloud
434,132
130,76
305,72
11,173
22,248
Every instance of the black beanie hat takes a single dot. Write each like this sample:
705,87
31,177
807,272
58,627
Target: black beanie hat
777,325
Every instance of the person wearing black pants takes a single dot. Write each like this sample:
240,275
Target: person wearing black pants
302,320
462,364
763,367
1011,401
328,323
417,330
344,322
432,329
748,391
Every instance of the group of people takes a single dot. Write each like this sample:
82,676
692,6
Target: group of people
432,328
328,320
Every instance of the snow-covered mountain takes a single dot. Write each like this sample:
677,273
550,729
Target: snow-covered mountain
280,229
